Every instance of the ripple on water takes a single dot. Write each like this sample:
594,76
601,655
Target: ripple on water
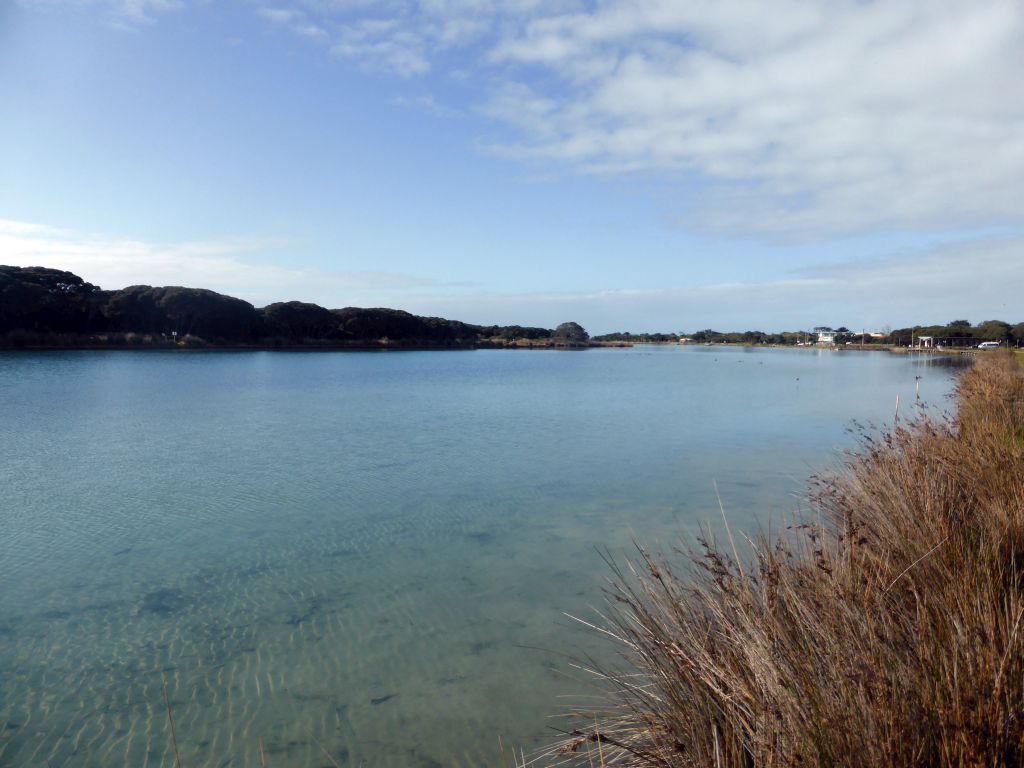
368,555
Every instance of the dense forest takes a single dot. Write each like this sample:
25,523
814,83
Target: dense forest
41,307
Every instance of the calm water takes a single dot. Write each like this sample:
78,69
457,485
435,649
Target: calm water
372,551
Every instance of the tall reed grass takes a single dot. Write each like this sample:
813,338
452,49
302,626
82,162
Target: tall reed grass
883,629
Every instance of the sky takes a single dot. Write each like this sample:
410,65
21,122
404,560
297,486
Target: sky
631,165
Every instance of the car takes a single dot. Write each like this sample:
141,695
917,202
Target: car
989,345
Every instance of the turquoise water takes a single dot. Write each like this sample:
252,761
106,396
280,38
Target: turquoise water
368,554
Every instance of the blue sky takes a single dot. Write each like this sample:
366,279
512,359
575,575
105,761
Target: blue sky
628,164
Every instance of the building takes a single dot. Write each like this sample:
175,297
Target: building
825,335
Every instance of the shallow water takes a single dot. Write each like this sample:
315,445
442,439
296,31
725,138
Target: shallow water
367,554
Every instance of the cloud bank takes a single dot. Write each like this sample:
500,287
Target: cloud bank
235,266
797,118
805,117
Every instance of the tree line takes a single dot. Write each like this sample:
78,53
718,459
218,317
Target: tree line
959,333
40,306
49,307
962,333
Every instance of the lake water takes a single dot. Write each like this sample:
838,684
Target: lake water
366,553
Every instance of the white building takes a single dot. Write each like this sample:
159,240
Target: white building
825,335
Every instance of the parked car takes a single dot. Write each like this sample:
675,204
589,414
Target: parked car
990,345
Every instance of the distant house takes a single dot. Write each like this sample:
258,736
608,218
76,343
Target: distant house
825,335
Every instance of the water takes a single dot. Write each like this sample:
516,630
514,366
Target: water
367,554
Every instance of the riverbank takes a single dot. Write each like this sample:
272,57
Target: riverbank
882,628
161,344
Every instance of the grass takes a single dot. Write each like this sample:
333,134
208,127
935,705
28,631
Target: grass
885,629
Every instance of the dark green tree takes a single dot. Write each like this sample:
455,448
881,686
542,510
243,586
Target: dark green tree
46,300
296,321
571,333
1018,334
993,330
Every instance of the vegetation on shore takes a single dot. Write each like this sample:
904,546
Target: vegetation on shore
882,629
959,333
42,307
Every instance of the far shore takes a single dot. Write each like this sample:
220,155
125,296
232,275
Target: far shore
381,345
160,345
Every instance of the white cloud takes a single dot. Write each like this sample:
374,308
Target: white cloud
428,104
799,117
404,37
293,20
230,265
115,262
811,116
803,117
378,43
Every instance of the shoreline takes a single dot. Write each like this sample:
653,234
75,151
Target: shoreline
351,347
520,344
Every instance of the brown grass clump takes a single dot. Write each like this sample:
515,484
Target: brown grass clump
885,630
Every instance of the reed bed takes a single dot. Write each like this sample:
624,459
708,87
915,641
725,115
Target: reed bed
884,628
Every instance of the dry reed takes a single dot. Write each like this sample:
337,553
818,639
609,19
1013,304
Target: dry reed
883,630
